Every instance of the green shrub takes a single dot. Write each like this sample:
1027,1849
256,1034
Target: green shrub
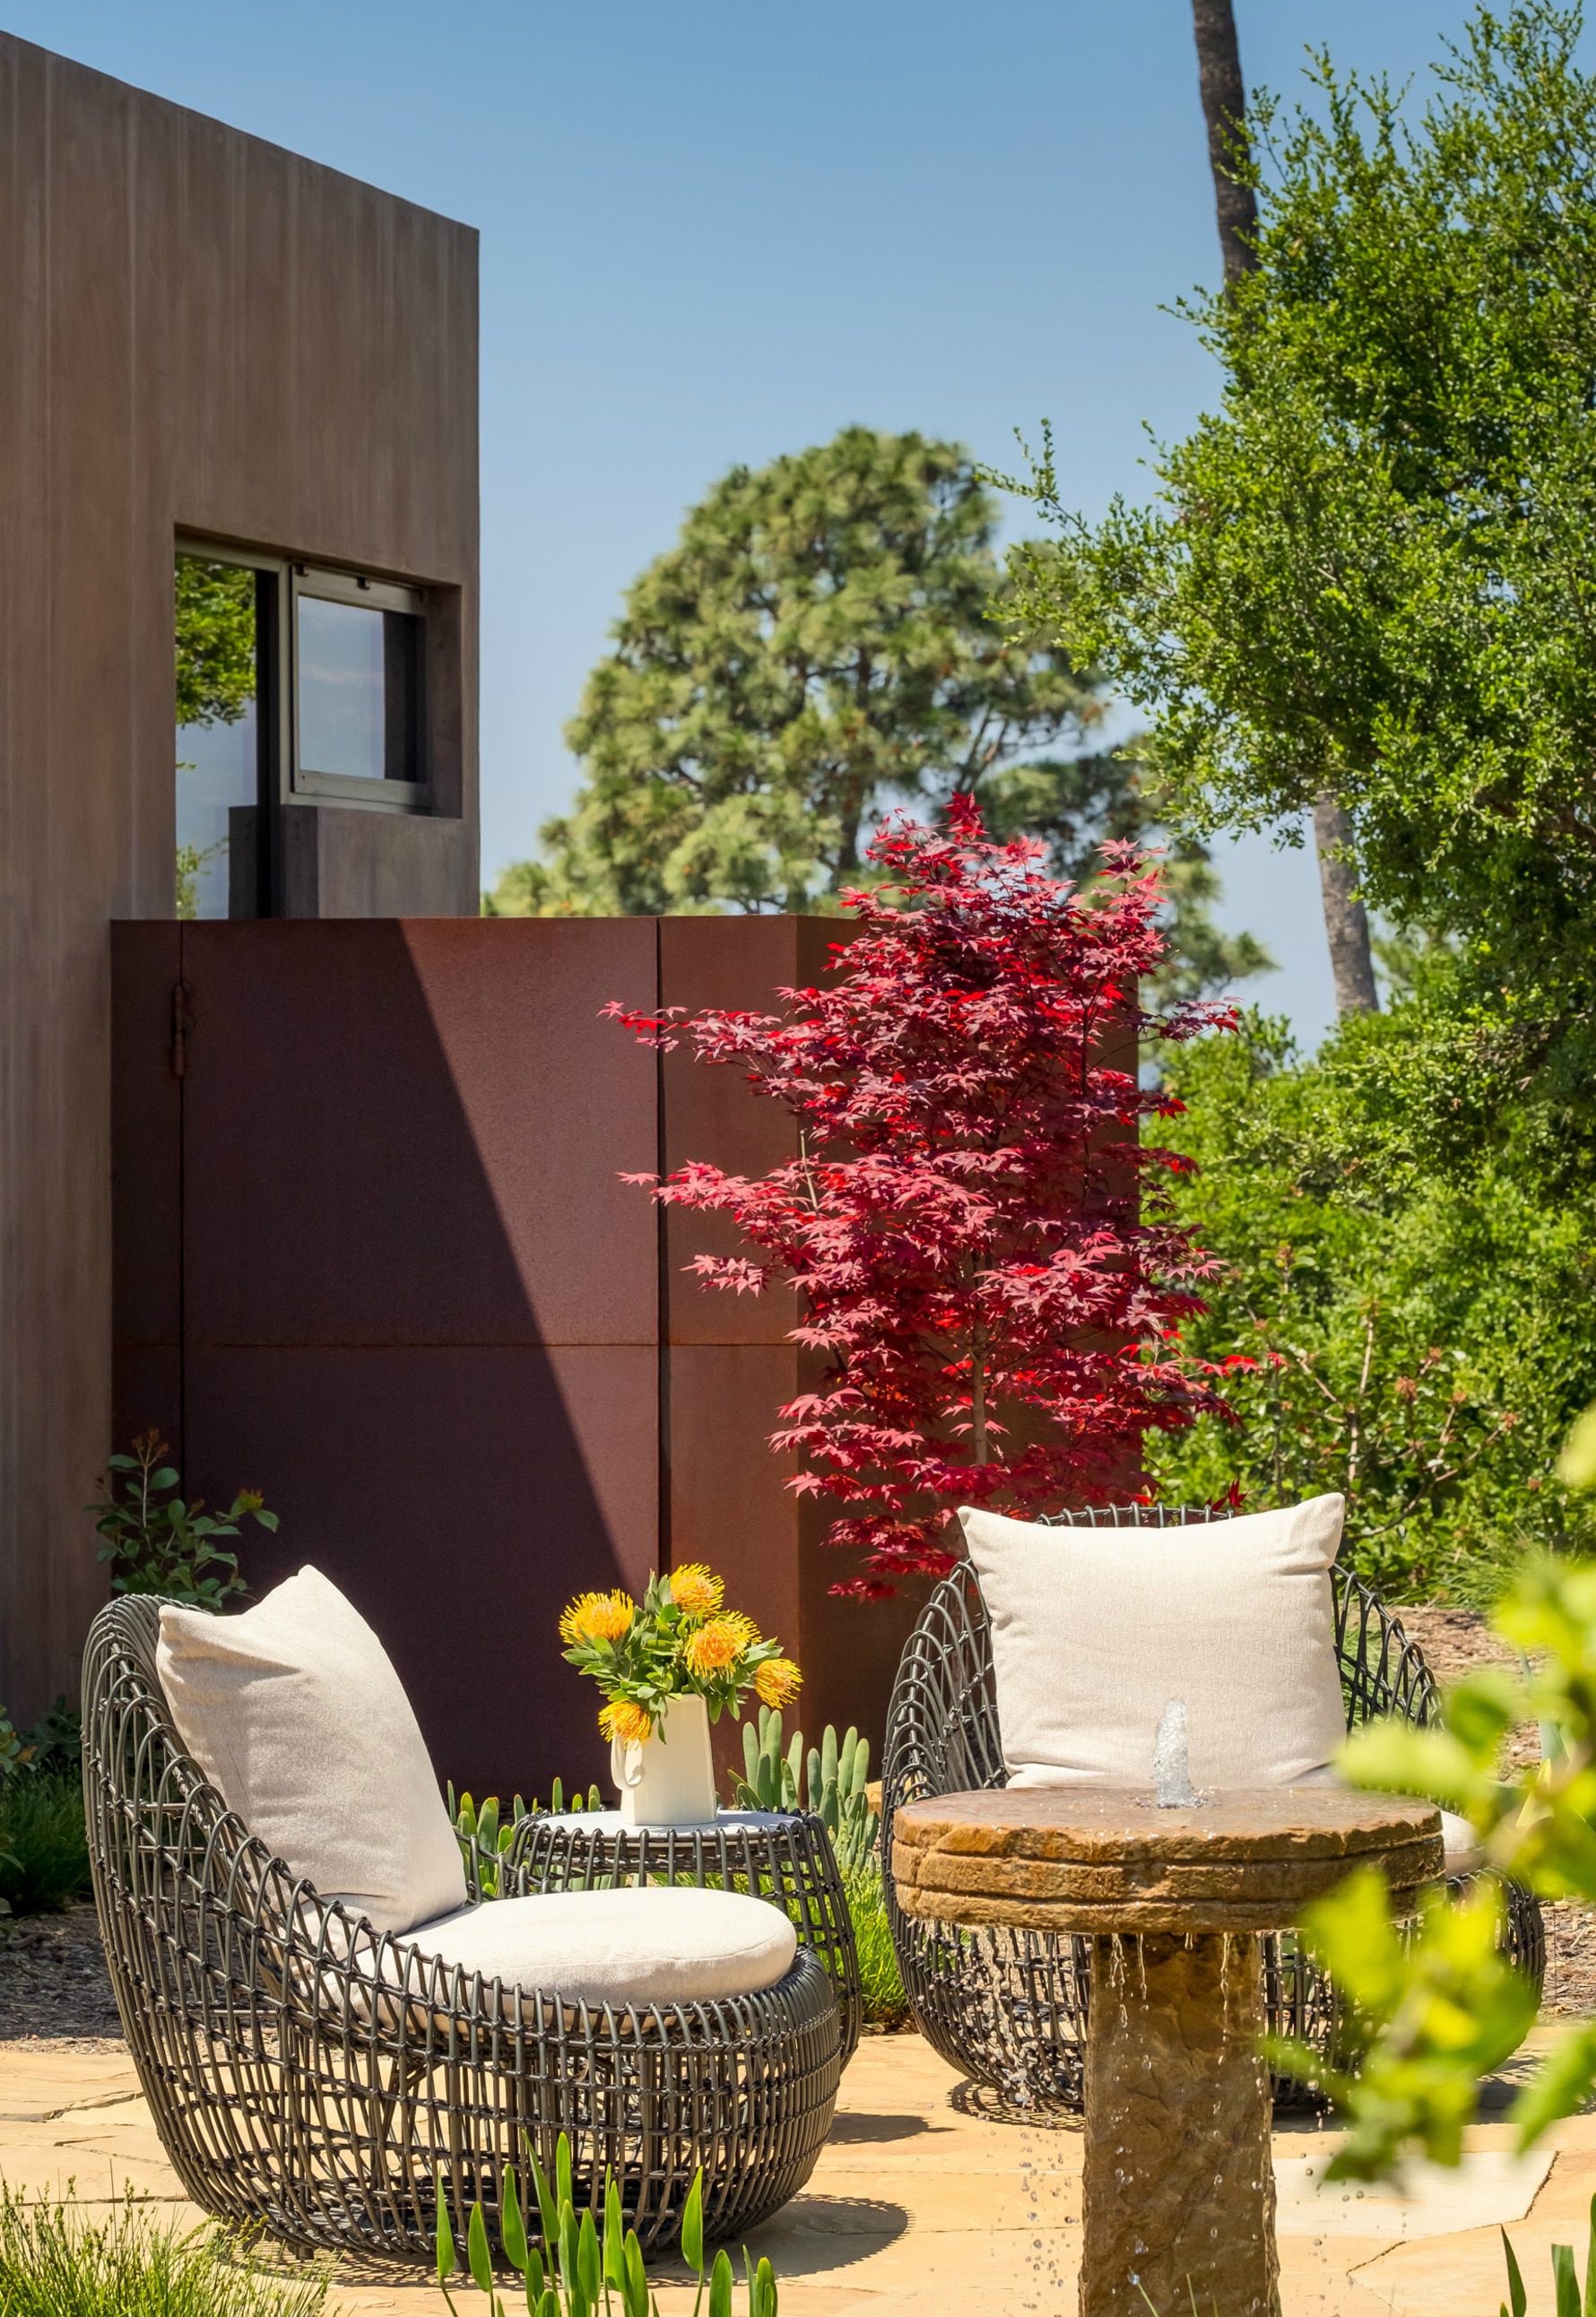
157,1543
880,1980
44,1857
56,2262
56,1743
1418,1341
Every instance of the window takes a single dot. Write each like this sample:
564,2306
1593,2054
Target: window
291,682
223,621
358,724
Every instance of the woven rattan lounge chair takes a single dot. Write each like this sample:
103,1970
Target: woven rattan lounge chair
310,2074
1009,2007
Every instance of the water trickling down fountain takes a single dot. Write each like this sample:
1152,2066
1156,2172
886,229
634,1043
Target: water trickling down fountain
1172,1890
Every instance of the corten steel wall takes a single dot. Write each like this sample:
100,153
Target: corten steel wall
203,334
374,1257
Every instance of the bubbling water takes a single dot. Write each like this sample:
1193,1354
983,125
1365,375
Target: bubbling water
1171,1772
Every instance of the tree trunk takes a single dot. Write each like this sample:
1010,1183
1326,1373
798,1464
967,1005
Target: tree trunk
1346,920
1224,108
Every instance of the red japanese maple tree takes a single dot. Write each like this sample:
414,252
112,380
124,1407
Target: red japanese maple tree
972,1221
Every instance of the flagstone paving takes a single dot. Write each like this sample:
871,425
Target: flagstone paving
919,2204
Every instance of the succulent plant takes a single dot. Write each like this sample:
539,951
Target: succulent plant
831,1779
485,1837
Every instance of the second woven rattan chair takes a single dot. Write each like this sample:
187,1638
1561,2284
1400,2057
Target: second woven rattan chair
1008,2007
310,2075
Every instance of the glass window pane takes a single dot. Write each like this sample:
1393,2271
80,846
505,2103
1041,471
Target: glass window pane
217,725
358,670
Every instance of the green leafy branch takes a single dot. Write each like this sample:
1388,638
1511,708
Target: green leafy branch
1437,2010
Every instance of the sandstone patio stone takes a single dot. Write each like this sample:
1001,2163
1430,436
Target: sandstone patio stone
916,2206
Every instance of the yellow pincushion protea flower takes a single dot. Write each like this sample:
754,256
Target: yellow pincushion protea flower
777,1682
716,1646
622,1718
597,1617
696,1590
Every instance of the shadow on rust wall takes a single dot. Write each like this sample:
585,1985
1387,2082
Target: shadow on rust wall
374,1258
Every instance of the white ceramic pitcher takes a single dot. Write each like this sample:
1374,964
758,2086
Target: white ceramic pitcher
670,1780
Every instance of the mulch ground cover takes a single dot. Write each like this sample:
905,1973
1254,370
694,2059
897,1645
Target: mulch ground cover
53,1984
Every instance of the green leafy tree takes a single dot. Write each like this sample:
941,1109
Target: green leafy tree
1367,567
214,620
1235,204
1417,1341
820,641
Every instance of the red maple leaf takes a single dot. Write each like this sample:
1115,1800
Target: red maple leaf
976,1234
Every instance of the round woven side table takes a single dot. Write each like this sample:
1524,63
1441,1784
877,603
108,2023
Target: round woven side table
783,1856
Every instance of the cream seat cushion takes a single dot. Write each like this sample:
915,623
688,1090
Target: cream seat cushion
293,1711
1094,1629
639,1945
1465,1853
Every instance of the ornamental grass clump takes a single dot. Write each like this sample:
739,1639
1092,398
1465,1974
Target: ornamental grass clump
578,2267
679,1640
974,1228
55,2260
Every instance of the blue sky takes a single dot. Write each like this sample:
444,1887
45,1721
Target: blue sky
712,232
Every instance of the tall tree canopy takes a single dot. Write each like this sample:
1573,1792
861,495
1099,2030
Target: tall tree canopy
1235,205
1368,568
829,636
817,640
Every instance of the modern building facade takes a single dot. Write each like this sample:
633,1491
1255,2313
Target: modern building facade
217,359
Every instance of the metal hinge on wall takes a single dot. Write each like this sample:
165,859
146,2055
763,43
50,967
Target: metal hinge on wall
183,1022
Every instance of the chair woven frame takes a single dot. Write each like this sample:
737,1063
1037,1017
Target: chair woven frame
310,2075
1009,2007
784,1856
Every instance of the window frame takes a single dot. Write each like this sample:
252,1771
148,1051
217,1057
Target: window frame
324,584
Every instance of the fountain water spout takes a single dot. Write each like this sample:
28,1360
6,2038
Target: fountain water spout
1171,1773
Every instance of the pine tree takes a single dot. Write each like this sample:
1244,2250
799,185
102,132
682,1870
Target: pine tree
824,637
831,635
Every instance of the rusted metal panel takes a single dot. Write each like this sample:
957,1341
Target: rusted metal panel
459,1495
422,1312
412,1133
421,1305
737,962
146,1021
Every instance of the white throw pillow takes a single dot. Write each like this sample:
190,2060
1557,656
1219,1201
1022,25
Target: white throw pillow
648,1945
1094,1629
293,1711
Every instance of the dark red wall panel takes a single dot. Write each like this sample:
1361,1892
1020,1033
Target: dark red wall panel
459,1495
412,1131
375,1258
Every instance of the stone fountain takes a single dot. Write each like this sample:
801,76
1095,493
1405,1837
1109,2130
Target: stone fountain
1172,1889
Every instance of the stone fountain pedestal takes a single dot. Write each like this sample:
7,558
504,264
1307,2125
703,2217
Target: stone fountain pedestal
1179,2188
